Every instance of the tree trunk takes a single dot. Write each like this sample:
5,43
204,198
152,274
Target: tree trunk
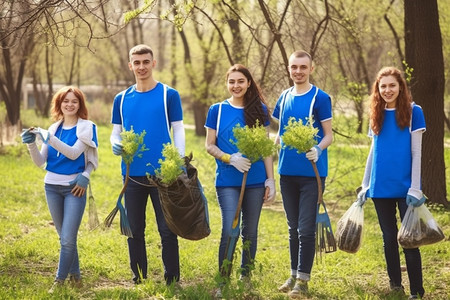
423,48
200,109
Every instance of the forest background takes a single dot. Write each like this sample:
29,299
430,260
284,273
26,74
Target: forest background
47,44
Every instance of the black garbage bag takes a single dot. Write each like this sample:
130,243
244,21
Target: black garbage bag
184,204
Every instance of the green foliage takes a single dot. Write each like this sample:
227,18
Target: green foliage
408,72
357,91
133,145
299,136
133,14
171,165
253,142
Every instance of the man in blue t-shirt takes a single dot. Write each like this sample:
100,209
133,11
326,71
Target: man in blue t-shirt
298,184
156,108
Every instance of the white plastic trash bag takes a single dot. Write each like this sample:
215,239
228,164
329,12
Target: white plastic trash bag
349,228
418,228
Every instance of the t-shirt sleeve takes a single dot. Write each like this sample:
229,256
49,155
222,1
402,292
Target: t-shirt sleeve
418,119
174,105
116,118
323,111
211,117
276,109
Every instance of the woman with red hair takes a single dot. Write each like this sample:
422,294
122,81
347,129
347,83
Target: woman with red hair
69,153
392,173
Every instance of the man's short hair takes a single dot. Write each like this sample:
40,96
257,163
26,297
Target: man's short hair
140,49
301,53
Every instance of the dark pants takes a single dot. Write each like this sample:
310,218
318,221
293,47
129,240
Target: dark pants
136,196
386,211
300,195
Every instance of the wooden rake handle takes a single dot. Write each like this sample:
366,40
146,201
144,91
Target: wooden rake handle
319,183
241,197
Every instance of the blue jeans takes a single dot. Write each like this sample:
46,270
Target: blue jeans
66,211
386,211
300,197
228,198
136,197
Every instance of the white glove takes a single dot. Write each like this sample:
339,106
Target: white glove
314,153
42,133
242,164
362,196
270,183
117,149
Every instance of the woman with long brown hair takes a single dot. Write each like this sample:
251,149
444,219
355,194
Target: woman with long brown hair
246,107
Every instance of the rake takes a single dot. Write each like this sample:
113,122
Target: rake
125,228
325,241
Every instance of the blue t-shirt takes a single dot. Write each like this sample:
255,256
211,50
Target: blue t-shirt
147,111
230,116
302,107
392,158
57,162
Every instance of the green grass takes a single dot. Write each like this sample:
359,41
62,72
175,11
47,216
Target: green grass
29,244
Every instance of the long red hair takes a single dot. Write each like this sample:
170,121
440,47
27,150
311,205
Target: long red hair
58,98
402,104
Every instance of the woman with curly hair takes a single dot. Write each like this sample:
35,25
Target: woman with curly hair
392,173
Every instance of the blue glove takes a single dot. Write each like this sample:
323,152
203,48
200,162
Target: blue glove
415,197
117,149
80,181
314,153
28,137
43,134
411,200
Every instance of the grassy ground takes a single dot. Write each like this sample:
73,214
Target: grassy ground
29,244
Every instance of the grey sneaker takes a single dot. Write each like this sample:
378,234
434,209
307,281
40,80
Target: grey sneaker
300,288
218,294
246,281
57,284
288,285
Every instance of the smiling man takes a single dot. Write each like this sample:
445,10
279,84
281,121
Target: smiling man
156,108
298,183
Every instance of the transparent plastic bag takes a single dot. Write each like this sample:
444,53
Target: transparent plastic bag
349,228
418,228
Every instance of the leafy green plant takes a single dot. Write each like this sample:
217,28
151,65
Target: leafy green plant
133,145
299,136
171,166
253,142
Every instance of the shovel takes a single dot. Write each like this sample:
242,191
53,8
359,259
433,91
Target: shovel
325,241
125,228
234,235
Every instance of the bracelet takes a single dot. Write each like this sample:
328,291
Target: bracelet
225,158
